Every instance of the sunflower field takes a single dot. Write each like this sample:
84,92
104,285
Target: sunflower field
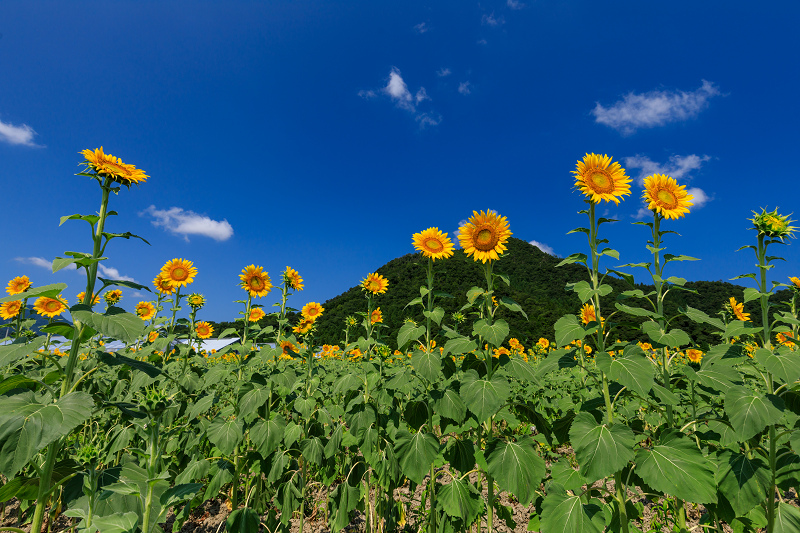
585,431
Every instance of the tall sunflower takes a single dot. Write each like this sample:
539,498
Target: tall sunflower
50,307
178,272
18,285
694,355
433,243
256,314
255,281
113,296
196,301
10,309
599,179
145,310
162,285
376,316
312,311
375,283
795,281
485,236
664,195
738,310
304,326
203,330
113,167
293,279
772,224
588,314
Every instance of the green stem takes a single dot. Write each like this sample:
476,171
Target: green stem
621,498
152,471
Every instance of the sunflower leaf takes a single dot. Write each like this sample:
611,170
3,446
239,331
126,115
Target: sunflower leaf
50,291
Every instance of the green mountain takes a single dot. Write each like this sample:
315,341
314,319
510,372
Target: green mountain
535,283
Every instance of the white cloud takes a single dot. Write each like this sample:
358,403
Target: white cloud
654,108
444,71
700,197
491,20
678,166
543,247
112,273
463,87
422,27
428,119
17,134
421,95
398,90
515,4
367,95
39,262
641,213
181,222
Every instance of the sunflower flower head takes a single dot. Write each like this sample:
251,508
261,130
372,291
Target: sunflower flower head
203,330
543,343
292,279
738,310
795,281
374,283
162,285
694,355
10,309
178,272
106,165
663,195
600,179
95,298
304,326
588,314
350,321
312,311
196,301
18,285
145,310
255,281
50,307
287,348
113,296
376,316
772,224
256,314
152,336
484,236
433,243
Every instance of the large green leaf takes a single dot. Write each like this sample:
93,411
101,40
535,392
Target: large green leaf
601,449
633,370
750,412
743,480
483,397
494,334
50,291
566,476
674,338
459,498
115,322
243,520
27,426
416,453
268,434
459,345
427,364
516,467
226,434
449,404
252,401
787,518
719,377
118,523
460,453
409,332
11,353
783,365
675,466
568,329
563,513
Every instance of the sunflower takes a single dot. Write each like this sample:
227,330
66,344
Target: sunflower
312,311
738,310
287,347
204,330
152,336
10,309
376,316
795,281
50,306
112,297
178,272
587,314
162,285
433,243
256,314
145,310
304,326
664,195
772,224
113,167
485,235
18,285
293,279
82,295
543,343
375,283
255,281
694,355
599,179
350,321
196,301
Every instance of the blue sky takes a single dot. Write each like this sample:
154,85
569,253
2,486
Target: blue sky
322,135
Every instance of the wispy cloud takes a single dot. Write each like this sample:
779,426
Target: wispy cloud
543,247
514,4
422,27
700,197
367,94
654,108
17,134
398,92
464,87
182,222
491,20
39,262
428,119
112,273
421,95
444,71
679,167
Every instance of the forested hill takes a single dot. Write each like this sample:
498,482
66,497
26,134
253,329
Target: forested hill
536,284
